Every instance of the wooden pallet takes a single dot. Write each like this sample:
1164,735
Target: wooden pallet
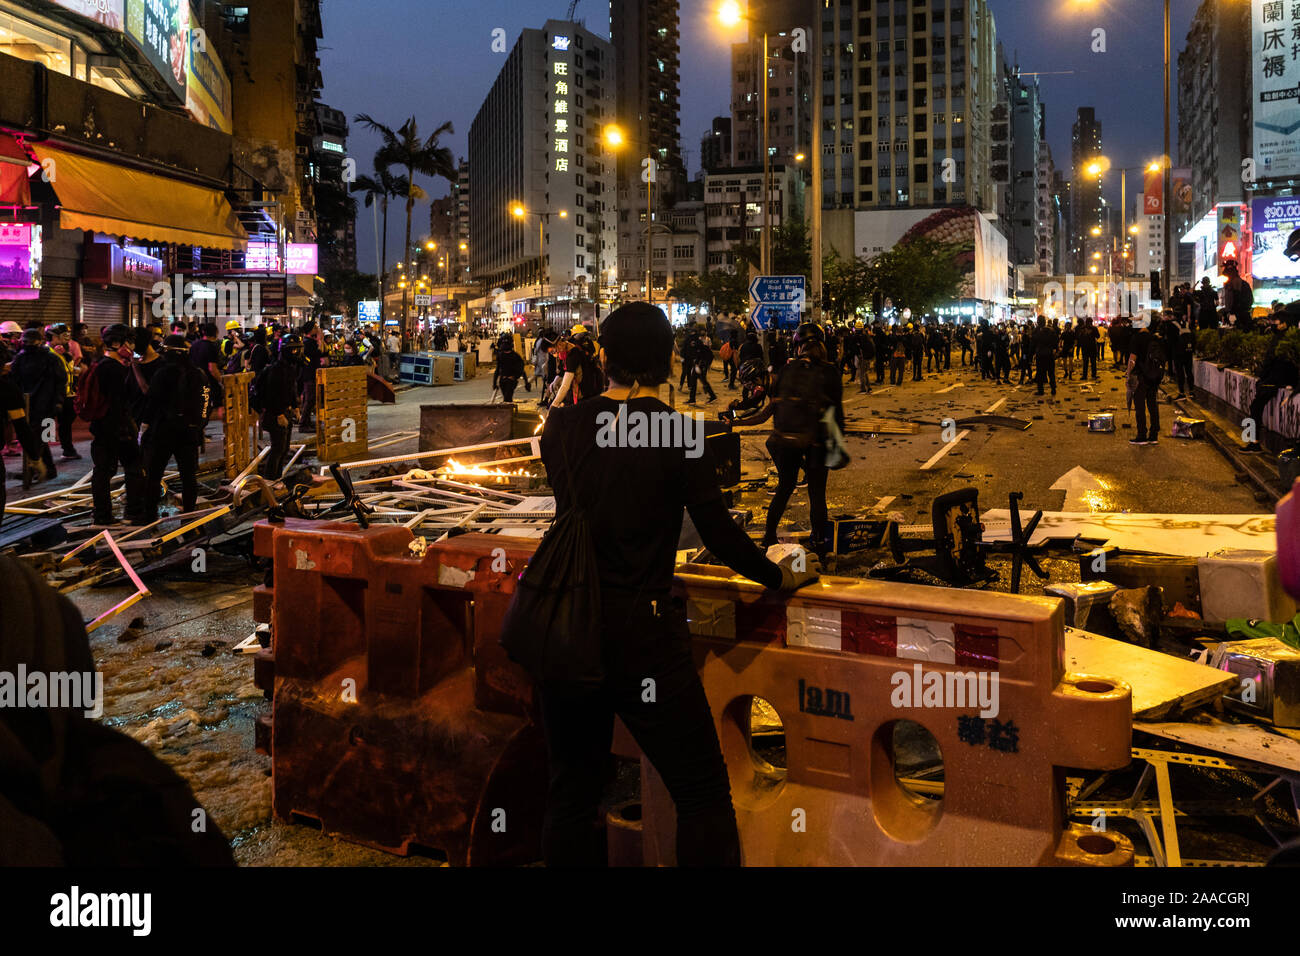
240,439
341,398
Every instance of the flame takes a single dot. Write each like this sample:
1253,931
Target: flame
451,467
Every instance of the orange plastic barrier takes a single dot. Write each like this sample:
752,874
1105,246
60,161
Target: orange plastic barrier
841,662
397,720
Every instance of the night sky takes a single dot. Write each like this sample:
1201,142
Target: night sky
395,58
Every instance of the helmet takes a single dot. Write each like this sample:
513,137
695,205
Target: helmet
10,328
506,342
33,337
809,332
117,332
752,372
859,324
1293,246
292,340
175,343
579,329
233,324
58,328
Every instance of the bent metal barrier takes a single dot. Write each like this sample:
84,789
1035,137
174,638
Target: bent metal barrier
826,658
396,719
398,722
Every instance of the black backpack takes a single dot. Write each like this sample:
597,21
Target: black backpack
1153,366
189,413
800,401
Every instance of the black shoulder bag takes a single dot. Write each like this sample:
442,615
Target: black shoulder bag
552,628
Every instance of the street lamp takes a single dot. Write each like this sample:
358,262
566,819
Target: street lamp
615,139
1166,161
519,212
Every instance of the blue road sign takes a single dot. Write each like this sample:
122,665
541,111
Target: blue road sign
778,301
775,289
778,315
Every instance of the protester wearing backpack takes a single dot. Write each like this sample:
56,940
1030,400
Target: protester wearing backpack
103,400
509,369
698,359
619,512
1146,368
175,412
274,394
42,377
805,390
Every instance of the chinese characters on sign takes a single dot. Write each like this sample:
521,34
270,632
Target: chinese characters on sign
1276,56
560,108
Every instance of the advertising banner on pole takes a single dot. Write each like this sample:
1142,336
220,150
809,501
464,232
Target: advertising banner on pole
1276,104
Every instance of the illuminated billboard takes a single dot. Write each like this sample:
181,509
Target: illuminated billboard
161,30
301,258
107,13
1276,88
20,260
207,86
1273,222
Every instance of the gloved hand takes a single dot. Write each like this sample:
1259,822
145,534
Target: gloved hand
798,566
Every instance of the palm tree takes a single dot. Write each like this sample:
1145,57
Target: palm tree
379,188
403,147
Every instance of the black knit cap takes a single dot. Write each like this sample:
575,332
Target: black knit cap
638,338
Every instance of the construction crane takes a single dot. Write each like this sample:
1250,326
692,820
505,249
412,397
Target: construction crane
573,5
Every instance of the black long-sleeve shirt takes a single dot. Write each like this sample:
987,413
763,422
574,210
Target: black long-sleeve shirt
634,495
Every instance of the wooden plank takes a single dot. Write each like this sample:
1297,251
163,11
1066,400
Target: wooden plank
1162,684
1245,741
1186,535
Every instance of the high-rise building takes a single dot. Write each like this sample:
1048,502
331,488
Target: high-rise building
715,145
1214,103
734,212
1085,187
1047,212
536,146
908,94
789,100
1028,134
460,192
646,40
1063,253
336,221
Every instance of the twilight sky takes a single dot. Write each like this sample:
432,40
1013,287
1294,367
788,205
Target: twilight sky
433,59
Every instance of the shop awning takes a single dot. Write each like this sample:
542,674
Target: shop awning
14,162
119,201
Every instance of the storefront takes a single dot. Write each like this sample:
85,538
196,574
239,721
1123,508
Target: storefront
115,285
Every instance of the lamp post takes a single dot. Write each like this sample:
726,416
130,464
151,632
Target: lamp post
614,138
730,15
519,212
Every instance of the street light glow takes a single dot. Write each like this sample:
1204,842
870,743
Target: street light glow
1096,230
614,137
729,14
517,210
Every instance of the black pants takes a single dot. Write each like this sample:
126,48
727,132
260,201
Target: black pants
675,731
1183,372
1263,395
788,461
1046,371
507,386
729,371
108,452
67,414
880,370
275,460
897,369
965,351
1146,400
42,418
702,378
916,366
307,393
160,448
1089,362
1002,368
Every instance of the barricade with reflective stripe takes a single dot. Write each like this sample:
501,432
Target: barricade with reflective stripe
844,659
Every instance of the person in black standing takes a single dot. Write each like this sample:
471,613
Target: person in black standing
259,354
805,389
1145,362
1238,299
633,499
1002,355
1207,305
13,412
43,378
916,348
175,411
509,369
1046,342
1088,337
884,349
276,396
750,350
730,363
114,431
311,360
582,376
1184,346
